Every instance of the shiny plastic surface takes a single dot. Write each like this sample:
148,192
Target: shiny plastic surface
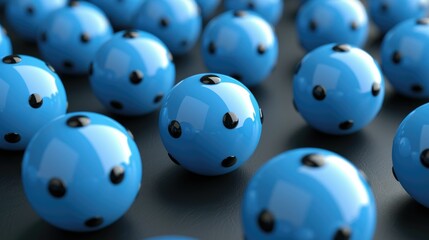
410,154
338,89
270,10
5,44
170,238
177,23
332,21
69,38
404,51
242,45
208,7
294,197
31,95
132,72
388,13
121,13
210,129
81,173
25,16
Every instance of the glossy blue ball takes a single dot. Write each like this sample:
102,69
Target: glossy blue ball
32,94
69,38
208,7
177,23
404,52
121,13
308,193
5,43
270,10
132,72
26,16
170,238
332,21
242,45
338,89
210,124
410,154
388,13
82,171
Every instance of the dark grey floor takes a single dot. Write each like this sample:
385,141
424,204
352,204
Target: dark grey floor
174,201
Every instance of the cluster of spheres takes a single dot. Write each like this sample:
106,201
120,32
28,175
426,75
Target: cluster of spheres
82,171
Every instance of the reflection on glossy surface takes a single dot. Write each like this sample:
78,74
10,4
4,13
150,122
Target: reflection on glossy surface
308,200
96,166
270,10
338,84
20,114
121,13
5,44
410,154
201,141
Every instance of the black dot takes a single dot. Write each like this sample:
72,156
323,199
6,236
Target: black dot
261,115
116,105
117,174
354,25
50,67
73,3
85,38
56,188
184,43
341,48
229,161
30,10
384,7
266,221
346,125
417,88
375,89
12,59
91,69
396,57
313,160
319,93
251,5
239,13
236,76
312,25
43,37
210,79
94,222
175,129
343,234
12,137
424,158
164,22
130,34
297,68
173,159
158,98
136,77
423,21
230,120
35,100
212,48
394,174
68,64
261,49
78,121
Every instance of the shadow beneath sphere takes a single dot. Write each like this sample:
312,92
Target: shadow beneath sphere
411,219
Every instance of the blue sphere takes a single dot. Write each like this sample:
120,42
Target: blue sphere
388,13
177,23
338,89
26,16
170,238
242,45
70,37
5,43
270,10
132,72
404,52
208,7
332,21
410,154
81,172
205,122
32,94
308,193
120,13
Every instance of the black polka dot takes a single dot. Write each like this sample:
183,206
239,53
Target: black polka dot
73,3
12,137
396,57
68,64
251,5
346,125
136,77
29,10
44,37
116,105
261,49
312,25
130,34
158,98
384,7
239,13
91,69
297,68
319,93
375,90
94,222
229,162
230,120
394,174
423,21
343,234
266,221
57,188
313,160
341,48
417,88
12,59
184,43
210,79
212,48
236,76
261,115
354,25
173,159
85,38
175,129
78,121
424,158
50,67
35,100
164,22
117,174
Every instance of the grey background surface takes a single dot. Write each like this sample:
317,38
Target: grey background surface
173,201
